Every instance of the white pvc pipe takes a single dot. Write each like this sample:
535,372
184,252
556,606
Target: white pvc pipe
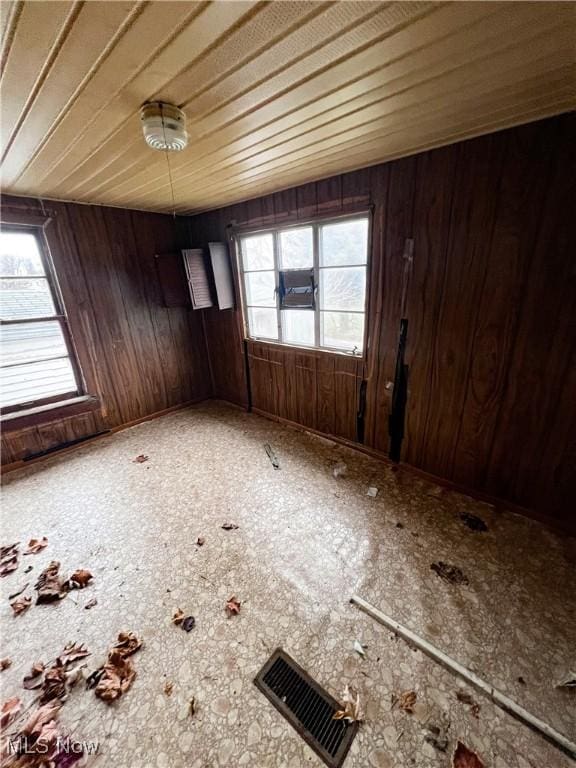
499,698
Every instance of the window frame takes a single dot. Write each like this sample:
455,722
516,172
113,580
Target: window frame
60,316
316,224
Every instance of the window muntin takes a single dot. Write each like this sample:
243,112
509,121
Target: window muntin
335,254
36,362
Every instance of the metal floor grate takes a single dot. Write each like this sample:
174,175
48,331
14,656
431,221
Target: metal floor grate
307,707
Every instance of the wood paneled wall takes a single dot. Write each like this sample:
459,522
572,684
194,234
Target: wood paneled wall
491,312
138,358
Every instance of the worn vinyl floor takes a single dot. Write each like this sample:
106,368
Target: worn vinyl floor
306,542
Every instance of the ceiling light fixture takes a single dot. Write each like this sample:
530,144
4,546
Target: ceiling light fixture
164,126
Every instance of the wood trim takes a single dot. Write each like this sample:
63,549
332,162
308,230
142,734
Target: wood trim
500,504
42,414
60,452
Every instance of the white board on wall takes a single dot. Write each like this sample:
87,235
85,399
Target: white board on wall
222,271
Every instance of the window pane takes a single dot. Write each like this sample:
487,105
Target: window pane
25,298
258,252
19,254
345,242
260,288
27,342
262,323
34,381
342,330
296,248
343,288
298,326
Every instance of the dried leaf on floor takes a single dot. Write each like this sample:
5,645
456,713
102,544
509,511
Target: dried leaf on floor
200,541
127,644
178,617
406,701
168,688
140,459
473,522
10,710
359,648
351,710
8,564
568,682
36,545
74,651
20,605
50,586
118,675
192,707
229,527
79,579
466,698
438,736
233,606
19,591
465,758
5,663
91,604
54,683
35,677
450,573
9,551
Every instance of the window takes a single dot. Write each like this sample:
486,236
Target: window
36,360
305,285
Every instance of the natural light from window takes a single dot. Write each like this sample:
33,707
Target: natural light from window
305,285
35,363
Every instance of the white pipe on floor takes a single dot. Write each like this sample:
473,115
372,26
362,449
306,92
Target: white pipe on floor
499,698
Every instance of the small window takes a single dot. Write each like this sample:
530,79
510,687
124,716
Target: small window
306,285
36,360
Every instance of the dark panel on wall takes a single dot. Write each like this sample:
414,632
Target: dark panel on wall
137,356
490,305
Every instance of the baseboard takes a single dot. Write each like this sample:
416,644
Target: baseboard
6,468
501,504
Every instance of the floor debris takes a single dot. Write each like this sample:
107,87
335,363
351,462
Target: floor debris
450,573
10,710
91,604
118,673
437,736
9,559
140,459
5,663
233,606
230,527
20,605
168,688
473,522
405,701
372,492
465,758
340,469
200,541
35,677
36,545
50,586
351,711
466,698
272,456
192,707
79,579
359,648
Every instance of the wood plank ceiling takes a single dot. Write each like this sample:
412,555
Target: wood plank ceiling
276,93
